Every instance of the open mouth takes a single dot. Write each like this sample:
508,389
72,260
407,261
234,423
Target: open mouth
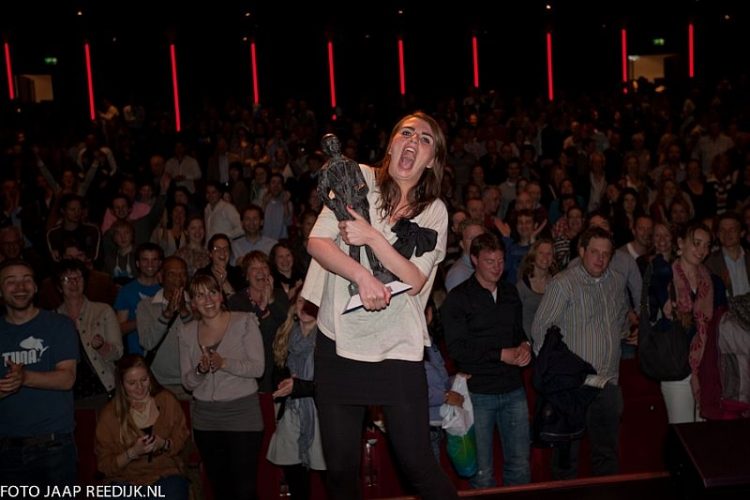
408,156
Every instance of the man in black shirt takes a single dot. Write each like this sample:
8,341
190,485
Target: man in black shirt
484,332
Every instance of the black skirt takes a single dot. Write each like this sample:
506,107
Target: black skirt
346,381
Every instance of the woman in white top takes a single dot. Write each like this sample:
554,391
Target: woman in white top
373,355
98,331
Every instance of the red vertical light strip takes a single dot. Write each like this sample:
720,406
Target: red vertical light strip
331,75
624,43
550,80
691,50
254,63
175,90
475,57
401,68
90,81
9,71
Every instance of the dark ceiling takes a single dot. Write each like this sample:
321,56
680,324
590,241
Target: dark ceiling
129,41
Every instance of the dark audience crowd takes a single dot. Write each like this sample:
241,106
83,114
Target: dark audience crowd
142,257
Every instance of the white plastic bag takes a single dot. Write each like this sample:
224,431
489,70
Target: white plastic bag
458,420
458,423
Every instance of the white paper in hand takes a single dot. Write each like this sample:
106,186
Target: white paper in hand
397,287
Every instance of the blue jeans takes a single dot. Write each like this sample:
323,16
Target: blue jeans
508,412
49,463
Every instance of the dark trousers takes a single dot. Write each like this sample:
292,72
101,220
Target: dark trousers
45,463
298,480
407,428
231,461
603,428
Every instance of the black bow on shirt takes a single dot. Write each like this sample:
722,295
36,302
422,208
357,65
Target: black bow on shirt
413,239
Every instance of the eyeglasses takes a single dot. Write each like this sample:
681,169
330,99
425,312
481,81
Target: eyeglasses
220,249
72,279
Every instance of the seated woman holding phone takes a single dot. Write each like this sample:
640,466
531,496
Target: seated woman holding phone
141,433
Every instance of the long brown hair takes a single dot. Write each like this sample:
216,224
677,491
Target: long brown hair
281,339
527,264
128,430
427,188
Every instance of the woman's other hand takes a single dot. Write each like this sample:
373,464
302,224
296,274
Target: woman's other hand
285,388
356,232
97,341
143,445
374,294
215,361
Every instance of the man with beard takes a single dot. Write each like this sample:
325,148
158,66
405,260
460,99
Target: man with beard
39,352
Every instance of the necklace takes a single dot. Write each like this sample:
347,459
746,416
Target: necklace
539,283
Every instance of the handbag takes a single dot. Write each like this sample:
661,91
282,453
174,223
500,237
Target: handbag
458,422
663,347
151,354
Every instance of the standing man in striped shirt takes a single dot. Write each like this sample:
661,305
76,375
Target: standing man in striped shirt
589,304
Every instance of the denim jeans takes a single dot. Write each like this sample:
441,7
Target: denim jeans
508,412
50,463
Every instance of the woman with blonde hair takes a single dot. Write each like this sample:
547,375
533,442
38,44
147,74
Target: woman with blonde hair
194,253
537,269
141,433
296,444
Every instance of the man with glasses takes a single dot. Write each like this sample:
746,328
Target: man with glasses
229,277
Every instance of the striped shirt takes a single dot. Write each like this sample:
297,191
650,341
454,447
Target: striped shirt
592,316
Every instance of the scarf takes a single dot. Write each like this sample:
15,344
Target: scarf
700,308
146,418
300,361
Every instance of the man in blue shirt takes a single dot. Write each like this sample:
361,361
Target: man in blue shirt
39,351
148,259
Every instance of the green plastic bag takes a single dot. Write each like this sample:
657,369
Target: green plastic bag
462,450
458,422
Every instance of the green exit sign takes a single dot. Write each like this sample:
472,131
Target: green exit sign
658,42
50,61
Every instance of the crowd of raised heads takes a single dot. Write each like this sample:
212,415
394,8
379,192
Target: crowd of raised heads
188,229
673,157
